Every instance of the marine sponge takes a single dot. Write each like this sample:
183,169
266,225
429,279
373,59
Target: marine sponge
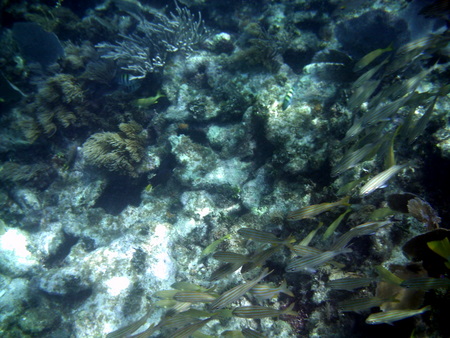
117,152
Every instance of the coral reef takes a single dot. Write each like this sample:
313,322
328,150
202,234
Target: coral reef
117,152
160,160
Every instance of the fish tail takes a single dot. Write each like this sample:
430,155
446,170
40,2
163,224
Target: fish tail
345,201
288,311
291,239
285,290
425,309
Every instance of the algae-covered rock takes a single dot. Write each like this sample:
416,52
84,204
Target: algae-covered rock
37,320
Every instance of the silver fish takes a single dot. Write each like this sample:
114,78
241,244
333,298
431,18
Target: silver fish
394,315
380,180
237,292
308,263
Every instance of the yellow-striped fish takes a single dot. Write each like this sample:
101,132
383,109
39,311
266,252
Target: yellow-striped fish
309,263
224,270
187,331
370,57
263,236
332,227
213,246
265,291
237,292
316,209
249,333
129,329
381,179
305,241
186,286
260,258
304,250
194,297
391,316
148,101
426,283
361,304
349,284
388,276
166,294
230,257
364,229
354,157
256,312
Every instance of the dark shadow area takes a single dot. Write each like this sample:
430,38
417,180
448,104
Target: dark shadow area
64,249
120,192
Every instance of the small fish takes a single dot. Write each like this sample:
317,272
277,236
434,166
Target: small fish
213,246
173,305
224,270
127,81
176,320
361,304
380,180
165,294
305,241
188,330
260,258
249,333
421,124
347,188
370,57
304,250
148,101
186,286
308,263
332,227
237,292
388,276
265,291
256,312
316,209
129,329
389,160
362,80
287,100
426,283
230,257
354,130
383,112
146,333
349,284
408,86
364,229
354,157
194,297
391,316
263,236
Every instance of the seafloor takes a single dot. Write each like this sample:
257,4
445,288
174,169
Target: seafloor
134,135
